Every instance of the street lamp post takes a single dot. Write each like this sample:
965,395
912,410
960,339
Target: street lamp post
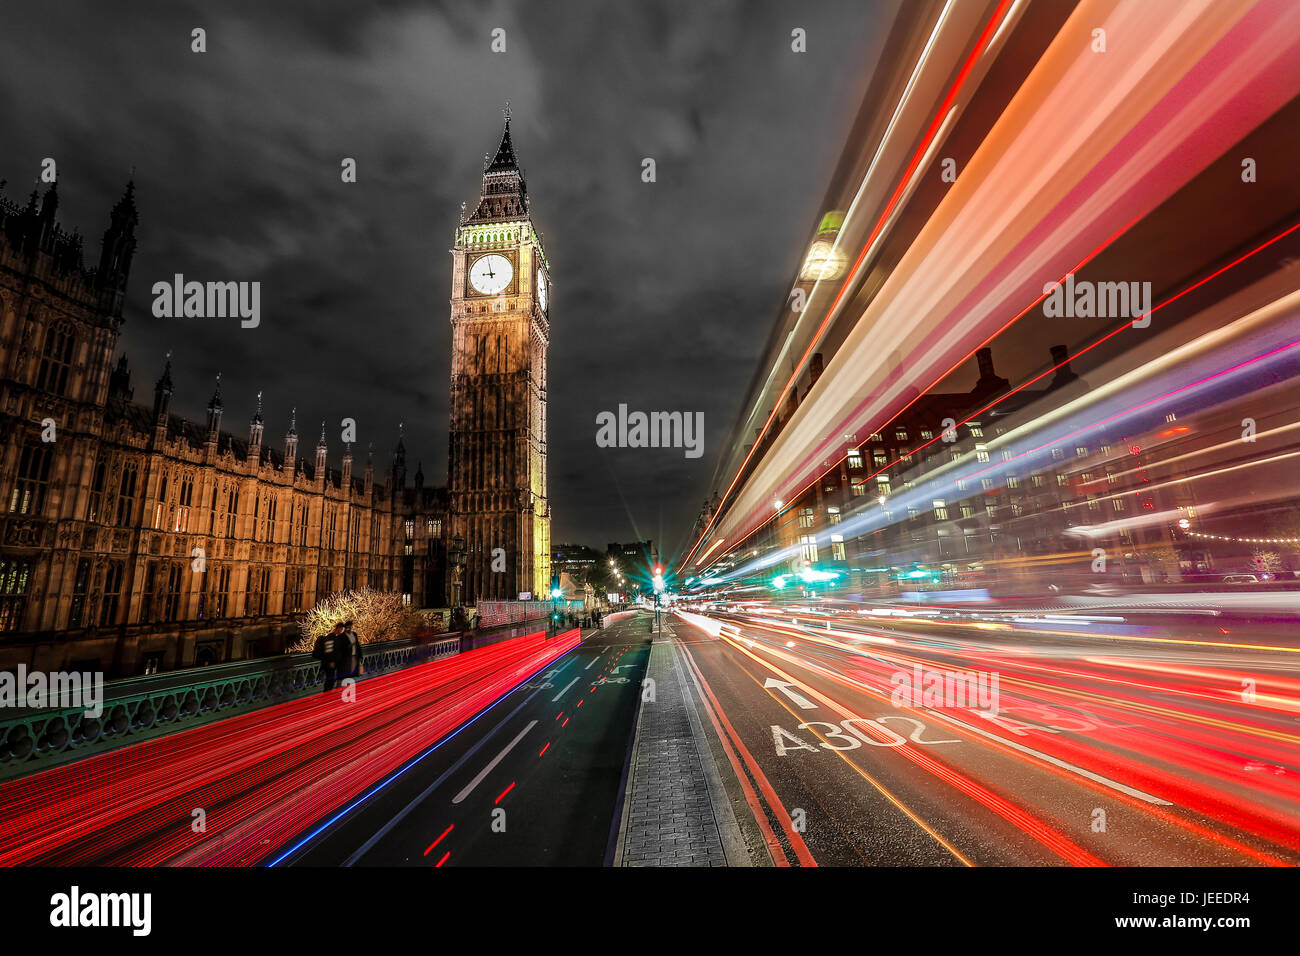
456,555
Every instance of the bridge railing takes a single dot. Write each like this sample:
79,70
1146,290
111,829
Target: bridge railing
138,708
494,613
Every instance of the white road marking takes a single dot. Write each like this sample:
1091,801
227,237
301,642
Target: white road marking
1057,761
566,687
787,688
492,765
594,659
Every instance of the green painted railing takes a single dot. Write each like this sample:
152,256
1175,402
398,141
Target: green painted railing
138,708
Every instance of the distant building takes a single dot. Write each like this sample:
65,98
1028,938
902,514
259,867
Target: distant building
1026,527
576,560
132,540
633,556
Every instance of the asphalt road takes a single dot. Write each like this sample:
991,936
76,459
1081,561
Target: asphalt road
1099,753
1133,747
534,780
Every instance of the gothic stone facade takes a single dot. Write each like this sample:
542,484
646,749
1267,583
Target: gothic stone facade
102,525
500,332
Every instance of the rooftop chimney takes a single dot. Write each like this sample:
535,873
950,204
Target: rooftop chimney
1064,374
989,380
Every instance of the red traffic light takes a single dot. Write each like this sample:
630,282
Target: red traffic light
659,569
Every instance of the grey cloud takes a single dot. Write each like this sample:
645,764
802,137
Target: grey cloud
663,292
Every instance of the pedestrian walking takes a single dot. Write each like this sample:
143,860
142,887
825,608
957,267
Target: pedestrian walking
326,650
351,659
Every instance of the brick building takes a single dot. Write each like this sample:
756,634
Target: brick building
1016,529
133,540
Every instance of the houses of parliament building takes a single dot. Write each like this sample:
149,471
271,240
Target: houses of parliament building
133,540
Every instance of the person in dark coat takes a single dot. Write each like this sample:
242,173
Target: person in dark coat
326,650
350,656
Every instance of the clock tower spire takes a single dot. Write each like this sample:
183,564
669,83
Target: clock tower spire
500,336
504,194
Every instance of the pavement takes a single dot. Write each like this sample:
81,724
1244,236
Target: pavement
675,810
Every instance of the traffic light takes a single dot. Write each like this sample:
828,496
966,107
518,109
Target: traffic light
659,570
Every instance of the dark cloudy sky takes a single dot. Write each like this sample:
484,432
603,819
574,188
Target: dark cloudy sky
663,293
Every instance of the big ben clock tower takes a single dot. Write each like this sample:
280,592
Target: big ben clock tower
500,295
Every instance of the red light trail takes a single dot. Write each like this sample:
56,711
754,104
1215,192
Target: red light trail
935,124
259,778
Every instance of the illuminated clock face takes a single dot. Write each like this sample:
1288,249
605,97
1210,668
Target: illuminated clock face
490,274
541,290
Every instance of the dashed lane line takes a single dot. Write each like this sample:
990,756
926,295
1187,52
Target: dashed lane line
469,788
